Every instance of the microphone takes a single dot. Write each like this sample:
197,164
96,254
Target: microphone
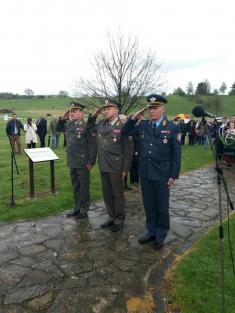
200,112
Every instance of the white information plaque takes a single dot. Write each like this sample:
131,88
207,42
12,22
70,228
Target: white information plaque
41,154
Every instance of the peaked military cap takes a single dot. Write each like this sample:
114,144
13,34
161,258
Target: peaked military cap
77,105
155,100
111,103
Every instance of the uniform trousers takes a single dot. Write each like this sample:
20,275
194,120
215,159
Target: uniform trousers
113,194
134,176
80,179
156,204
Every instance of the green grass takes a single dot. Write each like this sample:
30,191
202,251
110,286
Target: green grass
46,204
195,281
55,106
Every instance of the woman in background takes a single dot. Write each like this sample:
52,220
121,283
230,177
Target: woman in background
30,133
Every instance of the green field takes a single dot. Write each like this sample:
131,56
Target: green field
45,204
194,284
55,106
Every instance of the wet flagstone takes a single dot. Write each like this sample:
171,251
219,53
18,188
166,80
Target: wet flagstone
60,265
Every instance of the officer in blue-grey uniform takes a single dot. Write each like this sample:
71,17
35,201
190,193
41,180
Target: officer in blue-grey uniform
81,157
159,165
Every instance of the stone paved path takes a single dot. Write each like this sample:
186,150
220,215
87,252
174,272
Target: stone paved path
60,265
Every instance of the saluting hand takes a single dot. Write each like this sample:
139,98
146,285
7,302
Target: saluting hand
138,115
66,115
97,112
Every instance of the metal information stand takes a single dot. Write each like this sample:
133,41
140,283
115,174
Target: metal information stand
37,155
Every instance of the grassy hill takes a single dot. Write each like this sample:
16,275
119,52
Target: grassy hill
56,106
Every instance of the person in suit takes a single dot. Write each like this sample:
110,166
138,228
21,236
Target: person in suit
114,156
159,165
81,157
13,128
41,130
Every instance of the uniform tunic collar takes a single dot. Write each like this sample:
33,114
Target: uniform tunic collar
158,122
114,121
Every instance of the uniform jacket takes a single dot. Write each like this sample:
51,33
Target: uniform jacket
30,133
137,147
160,149
81,144
10,128
115,151
41,126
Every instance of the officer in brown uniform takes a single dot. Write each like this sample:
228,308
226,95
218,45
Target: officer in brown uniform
114,156
81,156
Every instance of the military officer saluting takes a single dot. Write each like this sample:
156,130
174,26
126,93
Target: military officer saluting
159,165
81,156
114,157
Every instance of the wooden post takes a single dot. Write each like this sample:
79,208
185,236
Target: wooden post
52,176
31,179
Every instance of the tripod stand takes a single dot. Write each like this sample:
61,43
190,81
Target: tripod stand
220,181
13,162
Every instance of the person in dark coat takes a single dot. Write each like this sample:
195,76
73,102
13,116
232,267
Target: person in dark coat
114,157
13,128
60,128
159,165
41,130
183,131
81,157
191,129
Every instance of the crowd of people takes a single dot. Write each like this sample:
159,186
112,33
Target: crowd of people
149,149
221,132
35,131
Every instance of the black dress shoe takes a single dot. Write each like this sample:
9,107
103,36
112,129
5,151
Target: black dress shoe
158,245
81,215
146,238
116,227
107,224
72,214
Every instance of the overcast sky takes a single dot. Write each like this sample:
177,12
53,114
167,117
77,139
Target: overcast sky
45,44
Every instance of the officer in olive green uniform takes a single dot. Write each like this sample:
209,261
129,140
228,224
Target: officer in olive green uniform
81,156
114,155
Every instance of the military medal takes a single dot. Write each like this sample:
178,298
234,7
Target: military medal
114,139
79,135
165,140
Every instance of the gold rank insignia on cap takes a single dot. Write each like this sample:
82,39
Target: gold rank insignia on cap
155,100
152,99
110,103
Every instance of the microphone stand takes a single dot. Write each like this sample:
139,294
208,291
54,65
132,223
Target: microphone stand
220,181
13,162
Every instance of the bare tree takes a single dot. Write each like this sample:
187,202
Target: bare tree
123,72
29,92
